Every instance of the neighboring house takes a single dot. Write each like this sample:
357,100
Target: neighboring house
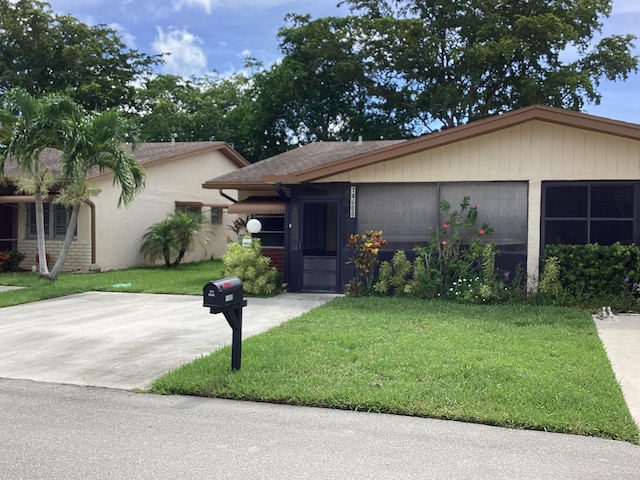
110,236
539,175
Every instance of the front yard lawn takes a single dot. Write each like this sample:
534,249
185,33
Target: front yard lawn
527,367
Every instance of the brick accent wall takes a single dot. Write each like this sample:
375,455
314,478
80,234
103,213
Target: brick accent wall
276,255
78,258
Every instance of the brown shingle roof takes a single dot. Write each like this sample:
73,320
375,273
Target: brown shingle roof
145,153
305,157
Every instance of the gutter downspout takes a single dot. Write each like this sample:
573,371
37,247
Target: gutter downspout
283,195
92,208
222,194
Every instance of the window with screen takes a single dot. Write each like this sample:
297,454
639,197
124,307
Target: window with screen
577,213
272,231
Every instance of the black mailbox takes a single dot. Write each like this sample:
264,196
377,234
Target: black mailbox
225,294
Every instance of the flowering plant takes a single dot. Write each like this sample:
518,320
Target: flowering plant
10,260
456,248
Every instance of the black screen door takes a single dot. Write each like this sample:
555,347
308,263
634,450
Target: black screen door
320,247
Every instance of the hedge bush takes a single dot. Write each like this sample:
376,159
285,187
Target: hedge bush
593,270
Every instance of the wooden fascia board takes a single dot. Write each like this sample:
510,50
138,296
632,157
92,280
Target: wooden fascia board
271,179
234,156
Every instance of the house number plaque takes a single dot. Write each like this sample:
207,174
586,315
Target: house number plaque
352,203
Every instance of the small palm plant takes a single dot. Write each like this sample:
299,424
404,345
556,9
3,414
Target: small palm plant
174,236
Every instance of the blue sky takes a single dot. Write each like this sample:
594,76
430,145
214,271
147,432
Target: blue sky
206,35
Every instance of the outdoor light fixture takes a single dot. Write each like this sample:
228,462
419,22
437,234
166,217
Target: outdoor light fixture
254,226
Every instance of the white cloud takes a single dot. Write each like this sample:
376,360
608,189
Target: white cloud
186,57
206,5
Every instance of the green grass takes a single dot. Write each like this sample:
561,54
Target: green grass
541,368
186,279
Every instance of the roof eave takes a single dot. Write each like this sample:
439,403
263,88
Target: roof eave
238,185
272,179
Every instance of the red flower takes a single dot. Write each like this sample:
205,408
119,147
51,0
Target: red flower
481,231
444,242
445,225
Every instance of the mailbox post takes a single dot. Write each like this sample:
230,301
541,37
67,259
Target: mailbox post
227,296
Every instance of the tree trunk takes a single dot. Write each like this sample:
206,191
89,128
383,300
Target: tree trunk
179,258
43,268
57,268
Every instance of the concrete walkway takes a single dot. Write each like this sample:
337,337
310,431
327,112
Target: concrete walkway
621,338
125,340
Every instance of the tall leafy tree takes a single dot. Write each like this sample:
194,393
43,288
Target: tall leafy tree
320,90
440,64
43,52
207,108
88,142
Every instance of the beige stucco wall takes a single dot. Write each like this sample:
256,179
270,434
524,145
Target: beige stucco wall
119,231
535,151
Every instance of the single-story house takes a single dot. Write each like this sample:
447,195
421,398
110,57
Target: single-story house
539,176
110,236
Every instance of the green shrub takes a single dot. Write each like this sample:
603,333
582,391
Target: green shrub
550,286
394,276
173,237
594,270
423,284
253,268
454,252
10,260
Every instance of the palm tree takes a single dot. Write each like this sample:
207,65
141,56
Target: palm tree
158,242
87,141
28,126
94,142
175,235
186,230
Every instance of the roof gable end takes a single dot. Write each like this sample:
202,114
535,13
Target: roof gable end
474,129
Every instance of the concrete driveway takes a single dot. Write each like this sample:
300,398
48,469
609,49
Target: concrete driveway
125,340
